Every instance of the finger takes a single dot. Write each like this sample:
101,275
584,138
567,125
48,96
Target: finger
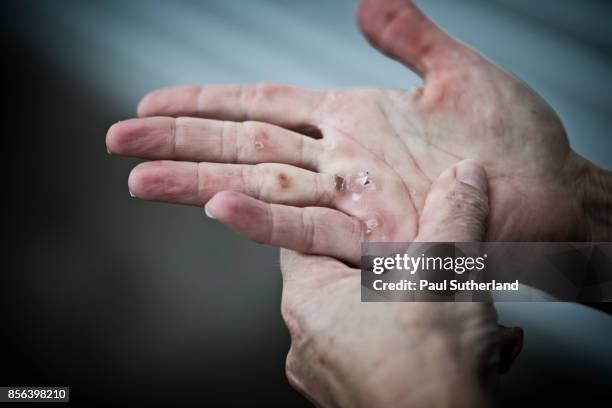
295,265
456,207
399,29
195,183
282,105
211,141
312,230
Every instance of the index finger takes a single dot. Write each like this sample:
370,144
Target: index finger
283,105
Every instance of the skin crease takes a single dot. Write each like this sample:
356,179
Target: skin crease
284,191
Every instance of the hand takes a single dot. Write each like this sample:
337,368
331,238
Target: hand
347,353
379,151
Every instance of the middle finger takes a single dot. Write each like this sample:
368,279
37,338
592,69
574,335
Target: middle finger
194,139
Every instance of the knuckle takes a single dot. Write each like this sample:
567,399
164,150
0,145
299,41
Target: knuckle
309,229
290,367
178,129
252,135
323,193
250,182
227,131
467,201
289,314
293,372
286,309
261,181
295,313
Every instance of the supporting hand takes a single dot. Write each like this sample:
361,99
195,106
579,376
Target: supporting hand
347,353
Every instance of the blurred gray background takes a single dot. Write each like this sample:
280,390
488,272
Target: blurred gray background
150,302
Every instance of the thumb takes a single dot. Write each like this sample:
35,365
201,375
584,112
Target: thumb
456,208
399,29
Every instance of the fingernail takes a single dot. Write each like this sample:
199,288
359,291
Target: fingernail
472,174
108,151
208,214
132,194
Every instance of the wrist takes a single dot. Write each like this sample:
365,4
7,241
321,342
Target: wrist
594,190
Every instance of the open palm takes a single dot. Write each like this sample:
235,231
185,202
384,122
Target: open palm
320,172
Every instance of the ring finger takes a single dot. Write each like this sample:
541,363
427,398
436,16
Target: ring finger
195,183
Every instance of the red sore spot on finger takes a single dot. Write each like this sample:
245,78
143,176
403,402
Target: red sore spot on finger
284,181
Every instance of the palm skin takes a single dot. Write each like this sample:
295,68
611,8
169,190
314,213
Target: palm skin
473,110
